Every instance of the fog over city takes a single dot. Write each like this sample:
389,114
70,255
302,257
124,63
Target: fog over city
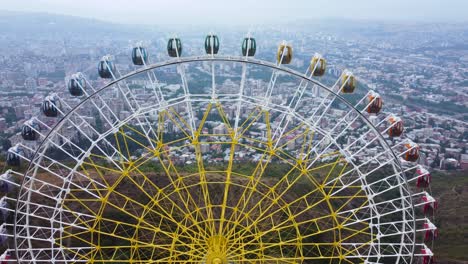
252,12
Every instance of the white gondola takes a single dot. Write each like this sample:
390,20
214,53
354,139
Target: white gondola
13,156
30,130
50,106
5,185
3,234
139,55
249,46
76,84
174,47
106,67
211,44
4,209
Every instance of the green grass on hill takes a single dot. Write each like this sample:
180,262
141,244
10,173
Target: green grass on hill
451,189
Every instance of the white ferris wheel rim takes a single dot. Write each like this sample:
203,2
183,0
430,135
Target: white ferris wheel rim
245,61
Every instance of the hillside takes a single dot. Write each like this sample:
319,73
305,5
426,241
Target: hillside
451,188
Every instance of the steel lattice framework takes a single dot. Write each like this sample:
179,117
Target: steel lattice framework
292,171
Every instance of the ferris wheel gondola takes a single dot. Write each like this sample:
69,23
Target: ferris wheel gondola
211,44
77,84
375,103
284,54
30,130
348,82
396,126
50,106
318,65
13,156
249,47
174,47
5,182
139,55
106,69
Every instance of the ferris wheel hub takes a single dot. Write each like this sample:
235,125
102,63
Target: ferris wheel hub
217,246
217,261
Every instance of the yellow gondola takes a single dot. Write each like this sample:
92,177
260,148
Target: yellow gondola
318,66
348,82
284,55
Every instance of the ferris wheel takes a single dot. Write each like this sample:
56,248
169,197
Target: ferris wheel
205,159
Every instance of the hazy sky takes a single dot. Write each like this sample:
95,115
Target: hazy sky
246,11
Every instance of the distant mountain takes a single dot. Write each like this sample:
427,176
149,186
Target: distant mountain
40,24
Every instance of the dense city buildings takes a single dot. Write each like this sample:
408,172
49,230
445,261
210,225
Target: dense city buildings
420,69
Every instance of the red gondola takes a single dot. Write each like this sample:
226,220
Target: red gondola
427,257
375,103
430,204
396,128
5,258
431,231
412,152
423,178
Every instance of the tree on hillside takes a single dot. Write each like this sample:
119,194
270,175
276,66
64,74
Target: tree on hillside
6,144
436,161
